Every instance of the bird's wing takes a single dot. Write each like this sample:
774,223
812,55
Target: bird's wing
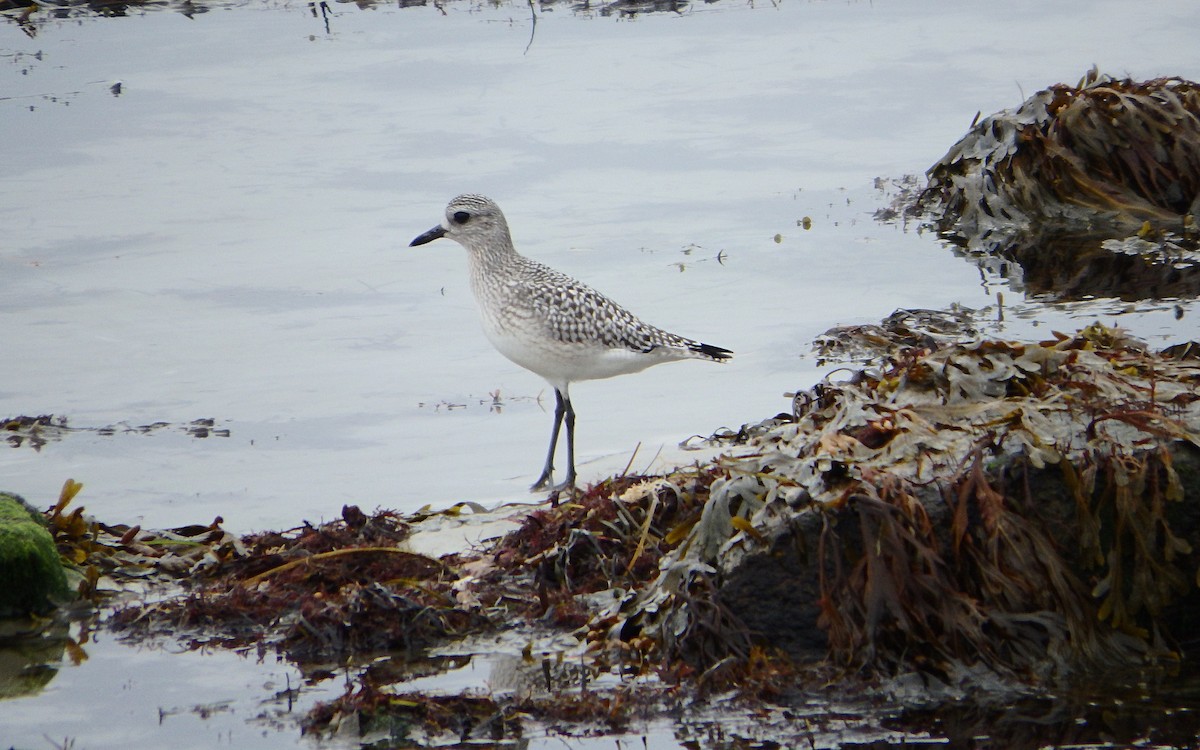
575,313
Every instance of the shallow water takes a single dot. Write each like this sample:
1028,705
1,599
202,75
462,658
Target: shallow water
226,238
128,696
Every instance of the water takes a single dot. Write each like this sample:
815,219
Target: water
225,237
126,695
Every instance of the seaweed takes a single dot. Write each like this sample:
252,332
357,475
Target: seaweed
1081,191
317,592
1122,150
385,716
1016,507
962,514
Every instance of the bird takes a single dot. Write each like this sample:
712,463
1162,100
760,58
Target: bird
551,324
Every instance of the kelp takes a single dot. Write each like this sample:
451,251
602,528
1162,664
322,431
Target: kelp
1015,506
1109,149
1090,189
110,560
611,536
959,510
337,590
586,558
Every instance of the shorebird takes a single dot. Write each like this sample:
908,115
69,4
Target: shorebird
551,324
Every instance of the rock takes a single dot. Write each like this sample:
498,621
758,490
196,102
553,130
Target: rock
1112,151
1032,509
32,579
1082,191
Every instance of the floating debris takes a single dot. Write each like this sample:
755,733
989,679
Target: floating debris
31,16
903,329
112,560
36,432
33,431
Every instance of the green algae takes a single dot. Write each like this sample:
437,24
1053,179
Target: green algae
32,578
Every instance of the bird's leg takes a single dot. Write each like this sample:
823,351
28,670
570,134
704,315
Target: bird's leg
560,408
569,482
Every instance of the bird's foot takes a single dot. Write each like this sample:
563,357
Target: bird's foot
546,483
543,482
548,486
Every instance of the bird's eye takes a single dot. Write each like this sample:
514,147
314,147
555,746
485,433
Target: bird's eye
461,217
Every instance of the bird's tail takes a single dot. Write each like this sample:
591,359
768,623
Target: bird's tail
708,351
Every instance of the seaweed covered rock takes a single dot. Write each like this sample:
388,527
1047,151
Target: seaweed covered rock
1090,189
1114,150
1029,509
32,579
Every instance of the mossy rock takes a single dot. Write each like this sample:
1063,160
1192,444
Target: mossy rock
32,578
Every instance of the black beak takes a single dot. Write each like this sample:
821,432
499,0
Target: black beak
430,236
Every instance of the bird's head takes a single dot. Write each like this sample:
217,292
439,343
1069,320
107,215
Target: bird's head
471,221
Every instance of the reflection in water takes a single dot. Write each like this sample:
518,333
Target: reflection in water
30,655
1067,266
630,8
1131,710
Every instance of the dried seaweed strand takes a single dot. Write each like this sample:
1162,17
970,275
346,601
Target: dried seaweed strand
324,556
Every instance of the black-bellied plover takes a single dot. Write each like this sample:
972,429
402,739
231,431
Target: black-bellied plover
549,323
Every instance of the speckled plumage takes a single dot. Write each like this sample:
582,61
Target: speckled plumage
548,322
